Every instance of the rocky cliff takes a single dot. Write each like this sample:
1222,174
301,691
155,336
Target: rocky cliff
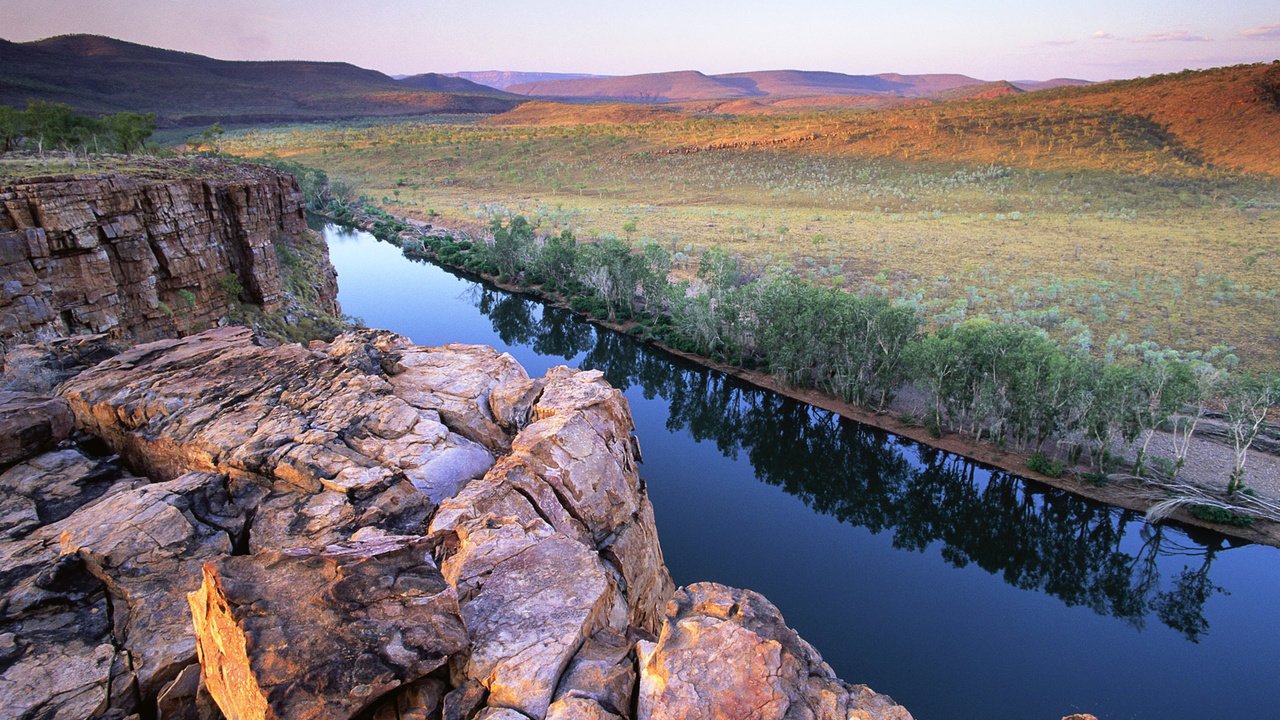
216,524
365,528
158,253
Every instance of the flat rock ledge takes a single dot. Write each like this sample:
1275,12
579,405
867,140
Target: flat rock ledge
219,526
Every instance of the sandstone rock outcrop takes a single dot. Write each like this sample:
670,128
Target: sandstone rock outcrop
30,422
147,257
773,674
365,528
323,633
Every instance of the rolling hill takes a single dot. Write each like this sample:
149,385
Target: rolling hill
692,85
503,79
543,113
96,74
648,87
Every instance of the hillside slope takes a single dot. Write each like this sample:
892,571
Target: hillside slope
503,79
648,87
1218,119
97,74
1229,115
690,85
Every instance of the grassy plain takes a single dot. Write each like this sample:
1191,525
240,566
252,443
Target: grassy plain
1087,221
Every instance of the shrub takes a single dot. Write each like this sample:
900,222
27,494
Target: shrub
1043,465
1222,516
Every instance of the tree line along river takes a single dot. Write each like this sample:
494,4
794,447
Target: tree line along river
961,591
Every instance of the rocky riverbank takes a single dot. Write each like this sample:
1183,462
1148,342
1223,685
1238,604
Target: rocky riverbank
363,528
218,524
1206,462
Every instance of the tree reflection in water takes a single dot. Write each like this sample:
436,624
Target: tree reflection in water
1035,537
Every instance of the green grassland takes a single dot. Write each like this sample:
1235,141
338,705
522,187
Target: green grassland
1163,248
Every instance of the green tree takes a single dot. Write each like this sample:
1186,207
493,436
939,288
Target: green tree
1247,398
11,122
556,260
510,243
48,124
209,137
131,130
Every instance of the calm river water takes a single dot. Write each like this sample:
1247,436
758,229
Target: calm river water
963,592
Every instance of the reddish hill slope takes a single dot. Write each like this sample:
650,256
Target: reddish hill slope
649,87
1230,115
539,112
691,85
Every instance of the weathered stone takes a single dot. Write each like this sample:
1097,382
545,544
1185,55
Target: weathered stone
322,633
727,653
145,545
603,672
500,714
579,708
291,419
186,698
574,468
95,598
431,379
147,258
41,368
530,598
511,402
464,701
49,487
31,423
421,700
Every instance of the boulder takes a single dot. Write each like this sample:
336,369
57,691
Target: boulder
31,423
530,598
49,487
94,599
727,653
323,632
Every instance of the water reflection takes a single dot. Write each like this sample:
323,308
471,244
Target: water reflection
1034,537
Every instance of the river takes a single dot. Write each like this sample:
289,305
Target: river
962,591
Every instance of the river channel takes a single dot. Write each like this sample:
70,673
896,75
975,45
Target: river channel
962,591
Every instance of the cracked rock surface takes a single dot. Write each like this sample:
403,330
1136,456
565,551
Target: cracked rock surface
366,528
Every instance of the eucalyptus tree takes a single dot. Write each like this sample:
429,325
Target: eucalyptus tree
1247,398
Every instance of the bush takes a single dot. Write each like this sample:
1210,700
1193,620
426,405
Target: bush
1043,465
1222,516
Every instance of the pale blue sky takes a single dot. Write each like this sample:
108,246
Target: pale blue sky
990,39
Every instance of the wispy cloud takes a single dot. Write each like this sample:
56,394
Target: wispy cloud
1171,36
1262,32
1102,35
1055,43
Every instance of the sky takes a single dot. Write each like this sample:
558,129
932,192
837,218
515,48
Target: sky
988,39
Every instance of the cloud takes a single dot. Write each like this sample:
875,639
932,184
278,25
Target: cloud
1102,35
1262,32
1171,36
1053,43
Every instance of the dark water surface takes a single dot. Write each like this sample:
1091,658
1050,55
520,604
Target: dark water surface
961,591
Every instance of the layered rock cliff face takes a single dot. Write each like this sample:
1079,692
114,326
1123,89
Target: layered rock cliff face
146,257
363,528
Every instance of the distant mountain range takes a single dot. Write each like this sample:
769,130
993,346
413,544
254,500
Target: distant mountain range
690,85
503,79
97,74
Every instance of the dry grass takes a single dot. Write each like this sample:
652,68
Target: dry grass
1059,212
